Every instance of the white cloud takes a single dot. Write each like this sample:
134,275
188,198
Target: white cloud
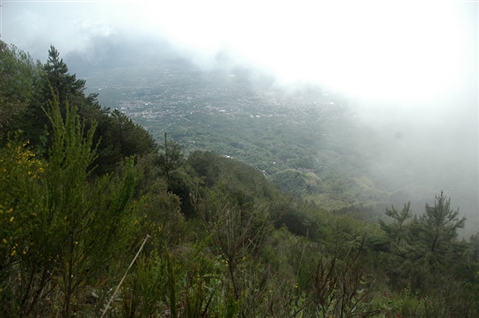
379,49
393,50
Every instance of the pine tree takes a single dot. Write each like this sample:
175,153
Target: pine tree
425,250
58,84
63,84
117,136
396,230
434,234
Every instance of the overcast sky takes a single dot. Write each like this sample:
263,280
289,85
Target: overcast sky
382,49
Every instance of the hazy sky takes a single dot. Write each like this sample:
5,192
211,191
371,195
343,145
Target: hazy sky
383,49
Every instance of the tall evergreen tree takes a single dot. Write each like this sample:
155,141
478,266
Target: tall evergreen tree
426,248
434,234
56,83
117,135
62,83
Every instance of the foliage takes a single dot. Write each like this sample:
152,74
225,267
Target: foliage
224,241
116,136
296,183
425,256
19,75
65,228
64,84
206,166
340,289
435,233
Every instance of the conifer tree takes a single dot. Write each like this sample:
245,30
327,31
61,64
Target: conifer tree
397,229
59,84
60,81
426,248
434,234
117,136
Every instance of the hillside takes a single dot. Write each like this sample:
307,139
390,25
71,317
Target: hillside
312,142
98,219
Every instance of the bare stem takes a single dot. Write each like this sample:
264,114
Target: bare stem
124,276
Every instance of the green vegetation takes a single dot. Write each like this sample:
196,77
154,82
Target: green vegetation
78,201
345,159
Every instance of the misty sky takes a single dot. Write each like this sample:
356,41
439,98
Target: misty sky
381,49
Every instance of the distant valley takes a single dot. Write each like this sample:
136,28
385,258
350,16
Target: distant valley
307,140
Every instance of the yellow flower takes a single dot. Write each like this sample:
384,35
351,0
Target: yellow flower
10,211
11,219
